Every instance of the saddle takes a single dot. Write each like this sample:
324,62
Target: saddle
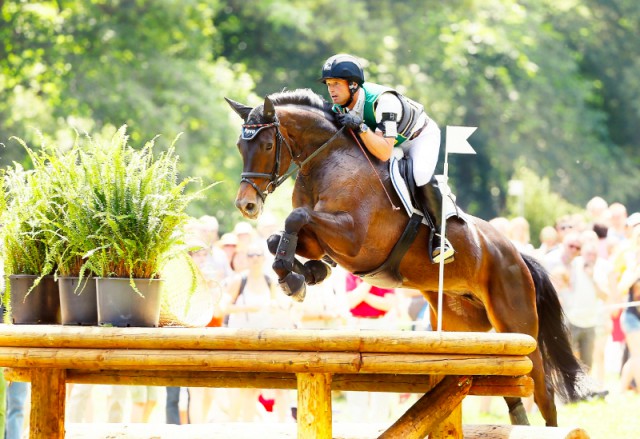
388,274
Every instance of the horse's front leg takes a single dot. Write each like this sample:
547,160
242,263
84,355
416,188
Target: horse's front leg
314,271
291,273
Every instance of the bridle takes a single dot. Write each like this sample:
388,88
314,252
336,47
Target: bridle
249,131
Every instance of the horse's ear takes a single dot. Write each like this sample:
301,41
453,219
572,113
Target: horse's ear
269,111
242,110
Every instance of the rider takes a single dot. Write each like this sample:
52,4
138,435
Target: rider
384,118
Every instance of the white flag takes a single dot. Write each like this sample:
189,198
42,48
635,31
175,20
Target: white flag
457,140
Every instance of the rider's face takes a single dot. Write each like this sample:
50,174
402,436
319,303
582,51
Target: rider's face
338,90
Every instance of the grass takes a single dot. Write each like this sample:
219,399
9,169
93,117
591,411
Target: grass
615,417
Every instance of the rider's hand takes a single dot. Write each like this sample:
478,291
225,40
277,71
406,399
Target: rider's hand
349,120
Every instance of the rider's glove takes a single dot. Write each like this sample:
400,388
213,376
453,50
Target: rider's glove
349,120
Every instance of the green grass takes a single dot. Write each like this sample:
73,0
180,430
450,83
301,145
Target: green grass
615,417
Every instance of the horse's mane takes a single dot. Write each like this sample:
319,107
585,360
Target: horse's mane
303,97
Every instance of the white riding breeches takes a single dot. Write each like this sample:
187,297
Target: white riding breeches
424,151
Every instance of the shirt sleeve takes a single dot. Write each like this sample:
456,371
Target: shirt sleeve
388,103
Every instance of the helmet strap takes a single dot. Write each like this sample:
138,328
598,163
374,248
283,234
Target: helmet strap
353,88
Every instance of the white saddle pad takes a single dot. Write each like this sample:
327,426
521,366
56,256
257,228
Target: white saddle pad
400,186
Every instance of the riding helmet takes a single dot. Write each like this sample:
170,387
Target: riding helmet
343,66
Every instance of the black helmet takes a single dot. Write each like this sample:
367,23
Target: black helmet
343,66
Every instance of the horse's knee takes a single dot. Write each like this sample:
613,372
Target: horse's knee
317,271
297,219
273,241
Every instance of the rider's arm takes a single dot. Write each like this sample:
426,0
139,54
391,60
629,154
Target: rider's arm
379,142
381,147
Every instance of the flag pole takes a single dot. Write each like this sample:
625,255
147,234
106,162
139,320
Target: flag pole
456,142
443,226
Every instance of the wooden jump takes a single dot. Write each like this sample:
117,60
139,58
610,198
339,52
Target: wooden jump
445,366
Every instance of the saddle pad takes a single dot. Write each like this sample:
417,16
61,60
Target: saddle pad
400,186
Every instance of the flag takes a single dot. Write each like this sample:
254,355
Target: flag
457,140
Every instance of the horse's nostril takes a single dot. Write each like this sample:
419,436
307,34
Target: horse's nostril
250,207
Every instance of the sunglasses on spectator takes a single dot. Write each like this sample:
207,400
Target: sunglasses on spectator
575,246
254,255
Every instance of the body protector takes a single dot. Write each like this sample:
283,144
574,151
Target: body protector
411,111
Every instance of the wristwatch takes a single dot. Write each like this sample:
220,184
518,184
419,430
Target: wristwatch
364,128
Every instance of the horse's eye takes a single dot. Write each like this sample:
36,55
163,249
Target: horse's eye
268,146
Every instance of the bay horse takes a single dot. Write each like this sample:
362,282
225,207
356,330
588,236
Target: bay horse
341,212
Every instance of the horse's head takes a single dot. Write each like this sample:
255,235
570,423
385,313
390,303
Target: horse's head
264,161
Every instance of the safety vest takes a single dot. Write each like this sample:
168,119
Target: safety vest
411,110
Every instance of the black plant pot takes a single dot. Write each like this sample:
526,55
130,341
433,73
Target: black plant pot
120,305
40,306
78,302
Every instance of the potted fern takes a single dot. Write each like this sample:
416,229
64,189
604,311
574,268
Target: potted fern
31,292
138,207
68,228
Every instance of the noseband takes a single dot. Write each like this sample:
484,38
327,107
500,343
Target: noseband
249,131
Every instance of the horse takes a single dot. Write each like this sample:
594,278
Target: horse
342,214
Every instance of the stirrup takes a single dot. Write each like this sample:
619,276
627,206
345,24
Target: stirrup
448,254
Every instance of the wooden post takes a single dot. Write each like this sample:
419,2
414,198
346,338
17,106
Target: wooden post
47,403
431,409
314,406
450,427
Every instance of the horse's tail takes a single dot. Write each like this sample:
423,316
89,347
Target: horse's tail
566,372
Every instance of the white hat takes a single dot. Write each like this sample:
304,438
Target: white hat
633,219
243,227
228,239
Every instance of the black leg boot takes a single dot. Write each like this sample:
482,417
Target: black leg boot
433,208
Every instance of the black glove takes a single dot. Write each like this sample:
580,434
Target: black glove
349,120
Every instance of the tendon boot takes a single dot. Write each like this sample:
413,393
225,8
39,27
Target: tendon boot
432,204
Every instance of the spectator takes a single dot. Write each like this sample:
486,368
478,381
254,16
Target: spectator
144,400
597,209
583,301
369,305
548,241
520,235
252,301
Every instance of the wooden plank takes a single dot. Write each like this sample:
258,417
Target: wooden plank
47,404
219,430
430,410
136,359
522,432
445,364
520,386
265,361
314,406
266,339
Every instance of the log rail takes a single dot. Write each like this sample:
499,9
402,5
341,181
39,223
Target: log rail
445,366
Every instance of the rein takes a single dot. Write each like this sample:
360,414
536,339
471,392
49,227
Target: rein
249,131
374,170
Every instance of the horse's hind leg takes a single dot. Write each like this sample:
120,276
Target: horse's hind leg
511,307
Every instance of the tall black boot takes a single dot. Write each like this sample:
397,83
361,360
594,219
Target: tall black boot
433,208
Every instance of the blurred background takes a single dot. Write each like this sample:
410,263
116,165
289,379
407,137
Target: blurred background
553,85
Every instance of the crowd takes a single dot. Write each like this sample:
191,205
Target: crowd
593,260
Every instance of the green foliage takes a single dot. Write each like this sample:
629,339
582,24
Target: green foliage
552,81
137,206
25,201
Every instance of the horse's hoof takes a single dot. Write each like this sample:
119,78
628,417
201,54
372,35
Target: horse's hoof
294,286
318,271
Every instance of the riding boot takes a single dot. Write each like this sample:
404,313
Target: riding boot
433,208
